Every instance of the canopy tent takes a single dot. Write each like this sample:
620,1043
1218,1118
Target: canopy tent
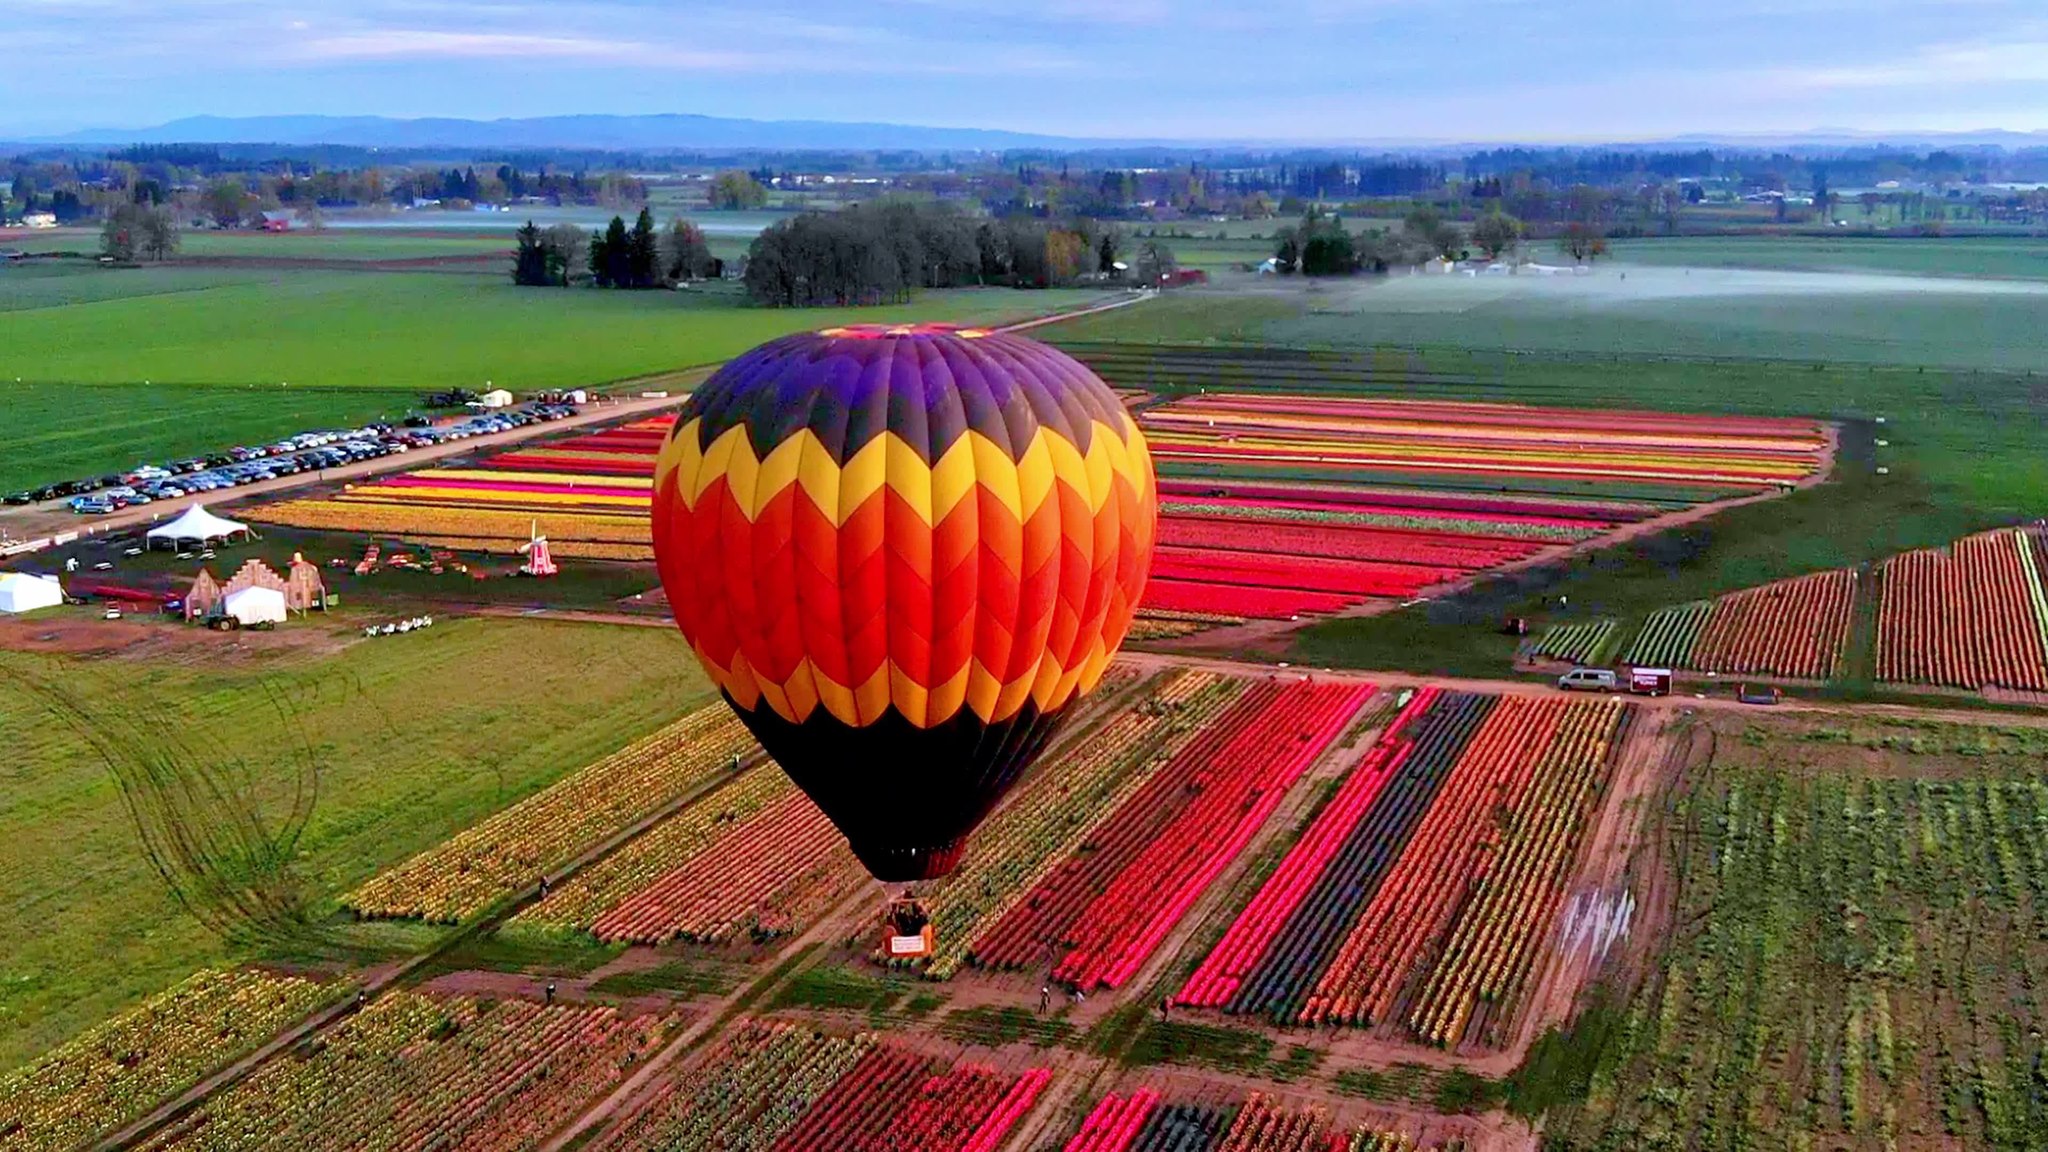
496,398
254,605
21,592
196,526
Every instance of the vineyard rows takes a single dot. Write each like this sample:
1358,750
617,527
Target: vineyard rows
1143,1122
789,1089
509,851
1100,914
1425,887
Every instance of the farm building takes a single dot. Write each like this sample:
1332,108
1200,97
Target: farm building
39,220
276,222
22,592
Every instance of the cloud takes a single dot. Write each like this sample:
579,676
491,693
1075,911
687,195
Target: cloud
417,43
2006,61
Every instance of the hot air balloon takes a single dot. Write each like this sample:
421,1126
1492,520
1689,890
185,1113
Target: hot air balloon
903,554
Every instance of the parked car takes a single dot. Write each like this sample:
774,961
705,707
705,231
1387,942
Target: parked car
1589,680
21,498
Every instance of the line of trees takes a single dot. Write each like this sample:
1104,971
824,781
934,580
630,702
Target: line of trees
616,256
876,253
1320,245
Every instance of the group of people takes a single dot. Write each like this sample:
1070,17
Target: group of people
400,626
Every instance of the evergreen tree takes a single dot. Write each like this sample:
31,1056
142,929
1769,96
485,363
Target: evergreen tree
530,259
600,260
643,253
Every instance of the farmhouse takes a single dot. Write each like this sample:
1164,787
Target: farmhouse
276,222
39,220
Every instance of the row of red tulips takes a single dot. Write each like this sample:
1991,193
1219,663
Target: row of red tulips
1436,866
1792,628
1975,617
1101,913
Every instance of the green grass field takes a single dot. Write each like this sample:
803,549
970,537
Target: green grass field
420,331
231,355
2014,257
421,736
57,431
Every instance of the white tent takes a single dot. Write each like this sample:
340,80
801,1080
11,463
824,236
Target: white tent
196,526
21,592
496,398
254,606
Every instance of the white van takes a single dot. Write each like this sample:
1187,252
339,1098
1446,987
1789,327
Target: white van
1589,680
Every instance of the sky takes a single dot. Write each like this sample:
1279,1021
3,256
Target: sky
1274,70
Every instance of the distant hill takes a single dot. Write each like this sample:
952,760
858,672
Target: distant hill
607,133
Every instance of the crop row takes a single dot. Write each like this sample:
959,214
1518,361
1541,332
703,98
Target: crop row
1434,506
515,847
1354,579
411,1073
1974,617
1668,636
1432,872
1792,628
754,857
1577,643
1100,914
1058,806
120,1069
790,1089
1142,1122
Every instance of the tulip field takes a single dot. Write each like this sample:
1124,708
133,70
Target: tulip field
771,1087
588,495
1576,643
755,858
1059,806
1794,628
509,852
1143,1121
413,1072
117,1071
1099,914
1972,616
1422,893
1278,505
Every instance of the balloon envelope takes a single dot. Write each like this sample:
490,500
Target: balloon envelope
903,553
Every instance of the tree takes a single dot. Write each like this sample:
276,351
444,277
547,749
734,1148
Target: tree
563,246
735,189
159,233
530,259
1496,233
611,256
1582,241
121,235
138,231
1064,252
643,253
1105,253
1155,262
226,201
685,254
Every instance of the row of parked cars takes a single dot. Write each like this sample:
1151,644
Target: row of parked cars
250,464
